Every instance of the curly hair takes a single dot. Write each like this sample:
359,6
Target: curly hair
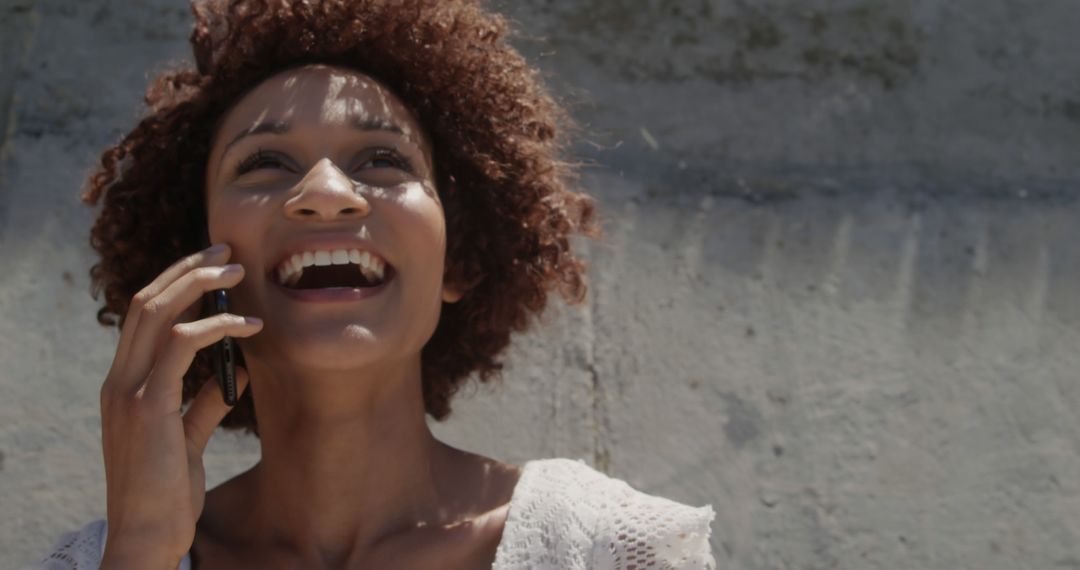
499,137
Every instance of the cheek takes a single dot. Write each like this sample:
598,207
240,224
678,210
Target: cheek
242,222
422,225
233,217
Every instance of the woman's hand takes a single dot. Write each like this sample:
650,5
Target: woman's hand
153,455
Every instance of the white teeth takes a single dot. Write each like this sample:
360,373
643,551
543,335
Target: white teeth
377,267
367,273
294,277
287,273
372,267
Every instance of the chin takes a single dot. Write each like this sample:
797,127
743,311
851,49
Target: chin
326,348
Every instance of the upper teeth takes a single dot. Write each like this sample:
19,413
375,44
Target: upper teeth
290,270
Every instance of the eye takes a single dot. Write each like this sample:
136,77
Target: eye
260,159
387,158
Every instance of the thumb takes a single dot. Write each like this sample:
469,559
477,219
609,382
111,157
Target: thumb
208,409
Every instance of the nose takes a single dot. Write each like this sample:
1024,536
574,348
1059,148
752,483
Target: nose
326,194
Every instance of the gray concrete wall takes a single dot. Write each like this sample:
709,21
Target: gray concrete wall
837,298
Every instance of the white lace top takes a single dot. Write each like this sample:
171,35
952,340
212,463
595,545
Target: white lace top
564,515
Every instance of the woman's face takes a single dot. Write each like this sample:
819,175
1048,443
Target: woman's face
314,169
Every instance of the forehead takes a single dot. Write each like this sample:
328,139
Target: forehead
319,95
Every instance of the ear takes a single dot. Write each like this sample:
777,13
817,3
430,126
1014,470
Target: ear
452,292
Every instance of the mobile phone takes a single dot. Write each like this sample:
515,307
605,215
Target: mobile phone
224,352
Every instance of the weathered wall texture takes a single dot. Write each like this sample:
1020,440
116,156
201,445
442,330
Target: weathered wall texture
837,298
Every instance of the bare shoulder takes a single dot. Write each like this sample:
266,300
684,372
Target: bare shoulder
479,483
478,492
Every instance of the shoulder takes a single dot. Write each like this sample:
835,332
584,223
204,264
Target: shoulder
602,522
646,531
80,548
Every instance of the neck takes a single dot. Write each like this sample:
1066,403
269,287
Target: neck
347,459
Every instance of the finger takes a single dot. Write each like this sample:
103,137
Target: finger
207,410
216,254
164,386
161,311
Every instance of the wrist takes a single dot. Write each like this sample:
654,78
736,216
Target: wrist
119,555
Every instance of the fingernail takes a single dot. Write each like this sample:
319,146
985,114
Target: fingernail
216,248
232,268
252,320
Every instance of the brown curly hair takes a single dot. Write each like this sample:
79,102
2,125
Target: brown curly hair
498,136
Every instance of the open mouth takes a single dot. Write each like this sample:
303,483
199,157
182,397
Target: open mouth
324,269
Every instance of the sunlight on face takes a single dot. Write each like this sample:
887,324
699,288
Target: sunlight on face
327,157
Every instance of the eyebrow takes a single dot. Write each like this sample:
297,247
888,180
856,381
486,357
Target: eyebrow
282,127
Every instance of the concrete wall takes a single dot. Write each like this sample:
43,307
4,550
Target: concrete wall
837,298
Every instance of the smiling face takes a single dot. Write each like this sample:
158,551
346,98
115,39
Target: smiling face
321,181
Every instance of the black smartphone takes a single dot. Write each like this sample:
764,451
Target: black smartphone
224,350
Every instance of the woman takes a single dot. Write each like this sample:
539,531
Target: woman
383,189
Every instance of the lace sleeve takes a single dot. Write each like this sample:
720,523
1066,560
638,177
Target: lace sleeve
685,545
654,533
82,550
77,550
